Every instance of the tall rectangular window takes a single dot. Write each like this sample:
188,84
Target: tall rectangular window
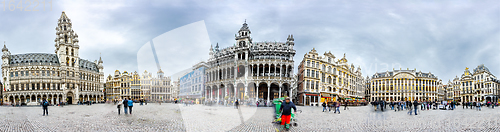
308,73
312,74
322,77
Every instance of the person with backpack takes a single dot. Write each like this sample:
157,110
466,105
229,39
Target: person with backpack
119,106
130,104
45,106
415,104
125,105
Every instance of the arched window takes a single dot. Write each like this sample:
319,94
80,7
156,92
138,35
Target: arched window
67,51
72,52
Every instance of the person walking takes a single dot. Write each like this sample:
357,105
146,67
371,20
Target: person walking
130,105
119,106
324,106
337,106
382,104
236,103
415,104
45,106
452,105
404,105
286,111
334,105
463,104
478,106
345,105
469,104
125,105
330,105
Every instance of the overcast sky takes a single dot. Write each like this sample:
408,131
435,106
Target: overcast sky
442,37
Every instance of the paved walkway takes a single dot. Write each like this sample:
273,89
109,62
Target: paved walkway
196,118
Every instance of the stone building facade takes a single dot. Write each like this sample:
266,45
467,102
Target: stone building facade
321,78
480,85
250,70
136,86
59,77
402,85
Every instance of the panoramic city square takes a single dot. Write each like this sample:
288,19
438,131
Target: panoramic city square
193,118
249,66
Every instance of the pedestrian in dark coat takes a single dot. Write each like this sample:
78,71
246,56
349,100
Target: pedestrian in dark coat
415,104
45,106
125,105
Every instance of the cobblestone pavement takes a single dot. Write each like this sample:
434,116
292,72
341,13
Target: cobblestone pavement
97,117
364,118
171,117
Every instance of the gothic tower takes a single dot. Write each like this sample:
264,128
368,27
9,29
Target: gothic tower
243,38
5,67
66,42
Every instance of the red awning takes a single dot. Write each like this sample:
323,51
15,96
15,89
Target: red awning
311,94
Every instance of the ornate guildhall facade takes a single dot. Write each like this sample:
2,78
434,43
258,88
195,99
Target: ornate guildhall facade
250,70
59,77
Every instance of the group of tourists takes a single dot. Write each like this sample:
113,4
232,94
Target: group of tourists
477,105
127,105
399,105
427,105
335,106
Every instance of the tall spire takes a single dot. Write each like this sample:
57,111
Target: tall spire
100,60
4,47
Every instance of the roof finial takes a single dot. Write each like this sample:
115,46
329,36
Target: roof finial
4,47
245,20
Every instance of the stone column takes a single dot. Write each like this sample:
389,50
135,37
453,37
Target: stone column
280,91
258,70
268,92
269,75
246,91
